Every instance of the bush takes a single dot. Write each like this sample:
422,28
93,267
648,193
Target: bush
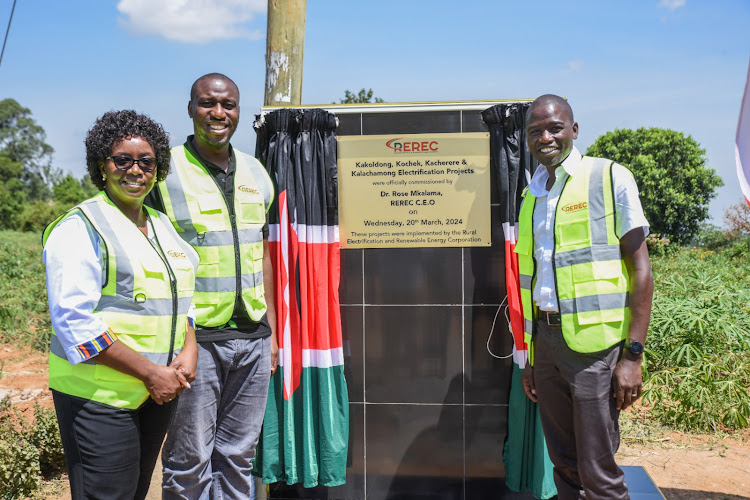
45,435
35,216
711,237
28,452
660,246
24,315
699,341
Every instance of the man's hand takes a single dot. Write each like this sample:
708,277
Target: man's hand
627,381
268,288
527,381
186,363
274,354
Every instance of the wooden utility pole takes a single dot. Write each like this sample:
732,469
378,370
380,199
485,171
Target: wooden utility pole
285,46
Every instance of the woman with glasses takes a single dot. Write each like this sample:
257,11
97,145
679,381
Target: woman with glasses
119,283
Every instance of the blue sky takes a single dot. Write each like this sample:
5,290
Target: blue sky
679,64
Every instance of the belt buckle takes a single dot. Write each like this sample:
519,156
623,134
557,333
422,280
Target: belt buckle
553,318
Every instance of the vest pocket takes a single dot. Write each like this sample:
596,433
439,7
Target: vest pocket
185,278
252,212
207,277
210,202
523,245
600,301
599,291
602,316
572,232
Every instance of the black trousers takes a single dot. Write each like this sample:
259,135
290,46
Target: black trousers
579,416
110,452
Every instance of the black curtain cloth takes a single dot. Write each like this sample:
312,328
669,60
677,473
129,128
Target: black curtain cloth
291,142
509,155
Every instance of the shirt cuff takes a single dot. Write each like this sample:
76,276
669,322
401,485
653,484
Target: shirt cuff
93,347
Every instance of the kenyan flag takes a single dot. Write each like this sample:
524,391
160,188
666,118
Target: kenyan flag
306,427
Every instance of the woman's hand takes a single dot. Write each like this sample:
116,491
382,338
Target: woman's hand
164,383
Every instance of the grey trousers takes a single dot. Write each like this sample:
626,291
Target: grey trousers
209,450
579,417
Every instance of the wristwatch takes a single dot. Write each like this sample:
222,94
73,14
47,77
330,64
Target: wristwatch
635,348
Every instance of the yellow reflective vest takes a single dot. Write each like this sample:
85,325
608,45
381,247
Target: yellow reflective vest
230,247
147,292
591,279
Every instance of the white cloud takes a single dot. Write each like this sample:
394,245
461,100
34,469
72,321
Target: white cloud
575,65
192,21
672,4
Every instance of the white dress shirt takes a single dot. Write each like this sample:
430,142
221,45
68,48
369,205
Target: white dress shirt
628,215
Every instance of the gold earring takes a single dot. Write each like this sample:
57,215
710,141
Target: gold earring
104,177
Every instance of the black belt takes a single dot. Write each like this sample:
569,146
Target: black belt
550,318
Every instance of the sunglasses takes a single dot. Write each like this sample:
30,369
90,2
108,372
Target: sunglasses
124,163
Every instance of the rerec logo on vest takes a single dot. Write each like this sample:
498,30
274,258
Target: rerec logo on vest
399,145
575,207
247,189
176,254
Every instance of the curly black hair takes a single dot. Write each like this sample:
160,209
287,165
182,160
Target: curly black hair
114,126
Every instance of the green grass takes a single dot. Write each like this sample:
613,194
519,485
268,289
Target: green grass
24,316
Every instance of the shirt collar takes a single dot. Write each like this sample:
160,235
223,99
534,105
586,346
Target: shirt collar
206,163
570,166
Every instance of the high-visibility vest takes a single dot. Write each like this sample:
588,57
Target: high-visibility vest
591,279
145,299
230,248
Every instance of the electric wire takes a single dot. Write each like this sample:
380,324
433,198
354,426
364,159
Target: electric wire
7,31
492,329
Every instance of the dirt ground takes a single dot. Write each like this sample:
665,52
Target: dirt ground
683,466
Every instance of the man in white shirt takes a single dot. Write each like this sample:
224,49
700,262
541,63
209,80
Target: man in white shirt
588,300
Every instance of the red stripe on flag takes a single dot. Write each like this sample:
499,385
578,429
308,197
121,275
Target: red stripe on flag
307,302
319,280
513,289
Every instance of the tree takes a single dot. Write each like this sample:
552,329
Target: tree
70,191
12,193
22,141
364,96
670,168
737,217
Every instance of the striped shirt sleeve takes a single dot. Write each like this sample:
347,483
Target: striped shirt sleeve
93,347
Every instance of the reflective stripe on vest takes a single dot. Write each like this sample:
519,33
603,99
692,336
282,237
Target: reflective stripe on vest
230,249
140,303
591,277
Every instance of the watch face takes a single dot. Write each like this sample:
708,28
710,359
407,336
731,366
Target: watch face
635,347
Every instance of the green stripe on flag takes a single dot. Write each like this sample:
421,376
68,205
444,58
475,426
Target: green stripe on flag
305,440
527,464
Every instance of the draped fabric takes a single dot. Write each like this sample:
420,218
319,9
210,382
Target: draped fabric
306,426
527,464
742,143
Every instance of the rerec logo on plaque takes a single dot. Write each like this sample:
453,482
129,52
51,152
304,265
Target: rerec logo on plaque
421,190
399,145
